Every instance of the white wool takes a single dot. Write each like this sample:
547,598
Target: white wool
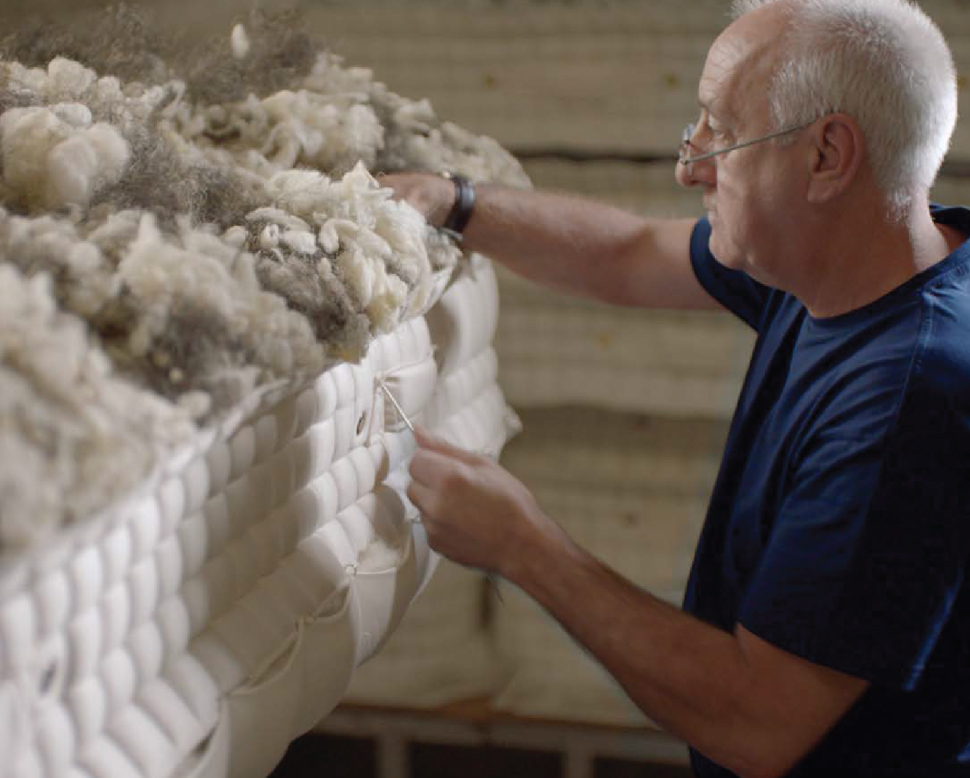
189,123
301,192
283,145
196,404
363,134
380,294
403,227
300,241
372,244
79,164
72,167
415,115
76,114
240,42
368,230
214,276
358,272
204,240
158,271
56,386
27,135
278,216
387,302
113,150
88,283
269,238
298,128
344,229
284,104
359,182
52,162
93,287
236,237
27,513
329,77
26,79
107,89
365,228
67,79
117,231
328,237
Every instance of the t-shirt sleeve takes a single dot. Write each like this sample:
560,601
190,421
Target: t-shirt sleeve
870,549
736,291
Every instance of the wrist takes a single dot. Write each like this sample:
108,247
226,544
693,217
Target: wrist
534,539
459,212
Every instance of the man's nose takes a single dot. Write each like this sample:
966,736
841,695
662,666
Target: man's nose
682,174
694,173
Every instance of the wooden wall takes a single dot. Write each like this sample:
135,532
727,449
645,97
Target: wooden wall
593,95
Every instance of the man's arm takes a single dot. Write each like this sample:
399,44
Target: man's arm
575,245
742,702
747,705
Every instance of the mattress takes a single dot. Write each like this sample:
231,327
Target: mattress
198,627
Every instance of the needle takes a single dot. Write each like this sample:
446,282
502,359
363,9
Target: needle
397,407
404,417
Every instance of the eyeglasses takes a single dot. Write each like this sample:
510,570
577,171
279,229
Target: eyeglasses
686,145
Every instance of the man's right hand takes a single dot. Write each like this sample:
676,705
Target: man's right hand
430,194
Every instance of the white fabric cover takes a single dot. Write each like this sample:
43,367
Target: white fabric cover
201,626
444,651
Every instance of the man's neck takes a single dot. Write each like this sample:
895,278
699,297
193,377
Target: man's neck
856,266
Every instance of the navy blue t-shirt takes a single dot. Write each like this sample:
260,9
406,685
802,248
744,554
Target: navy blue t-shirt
839,525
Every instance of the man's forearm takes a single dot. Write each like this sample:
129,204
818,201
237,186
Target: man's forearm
683,674
560,241
575,245
693,679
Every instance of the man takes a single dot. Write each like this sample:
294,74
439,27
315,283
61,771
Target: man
826,627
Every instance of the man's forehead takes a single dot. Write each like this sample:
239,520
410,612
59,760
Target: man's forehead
739,62
717,91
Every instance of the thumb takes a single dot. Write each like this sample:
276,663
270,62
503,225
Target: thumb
432,443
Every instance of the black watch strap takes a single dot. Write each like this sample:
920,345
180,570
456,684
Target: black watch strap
461,211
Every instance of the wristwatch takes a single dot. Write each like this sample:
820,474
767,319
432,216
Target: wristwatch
457,219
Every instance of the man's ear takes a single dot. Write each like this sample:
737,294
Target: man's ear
836,156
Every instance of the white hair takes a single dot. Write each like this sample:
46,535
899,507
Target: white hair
883,62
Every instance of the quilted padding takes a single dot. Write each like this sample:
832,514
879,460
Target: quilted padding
199,627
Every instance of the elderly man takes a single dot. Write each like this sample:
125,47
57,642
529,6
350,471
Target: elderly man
826,627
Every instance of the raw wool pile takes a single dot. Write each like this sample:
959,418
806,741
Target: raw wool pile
334,117
65,416
194,250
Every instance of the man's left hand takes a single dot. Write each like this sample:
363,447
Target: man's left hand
475,512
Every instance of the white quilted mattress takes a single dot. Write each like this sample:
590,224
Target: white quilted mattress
198,628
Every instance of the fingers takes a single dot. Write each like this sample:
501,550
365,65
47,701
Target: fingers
429,194
439,479
421,496
429,467
429,442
